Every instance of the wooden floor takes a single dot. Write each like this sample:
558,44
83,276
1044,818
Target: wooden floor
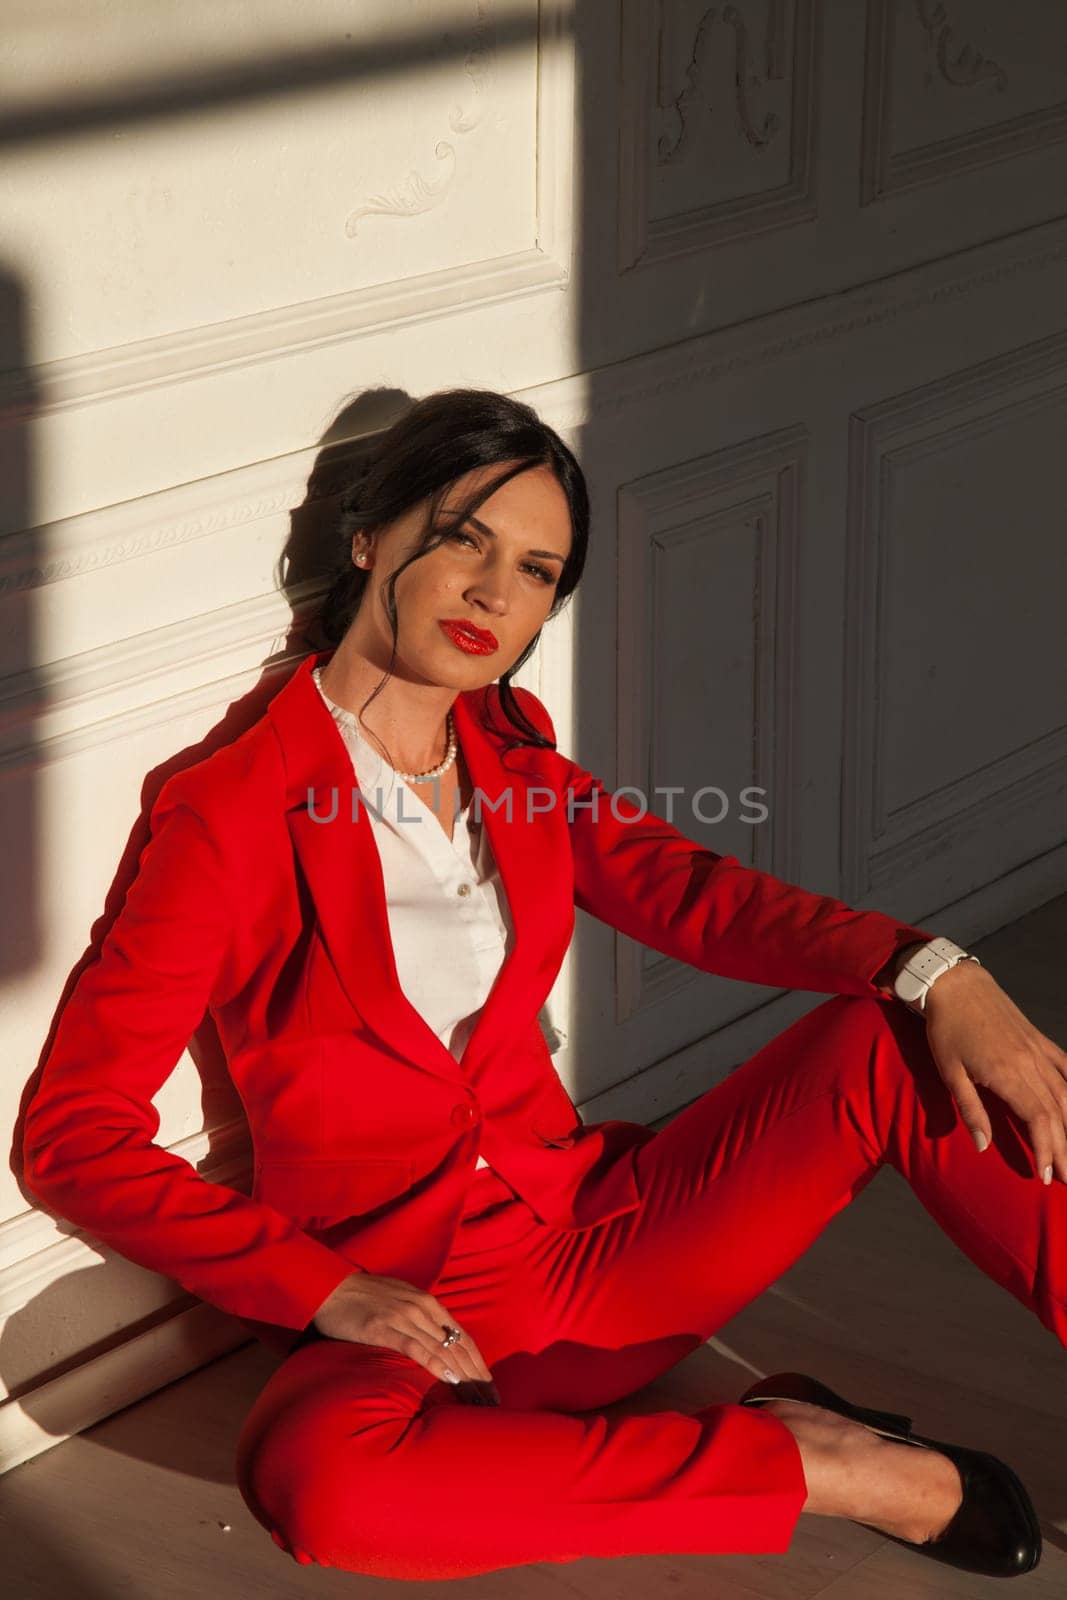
884,1308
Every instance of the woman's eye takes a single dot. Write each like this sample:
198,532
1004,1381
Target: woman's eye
543,574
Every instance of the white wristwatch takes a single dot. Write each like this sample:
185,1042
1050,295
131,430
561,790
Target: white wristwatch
923,968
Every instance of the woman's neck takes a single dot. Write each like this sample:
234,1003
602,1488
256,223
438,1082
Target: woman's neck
410,720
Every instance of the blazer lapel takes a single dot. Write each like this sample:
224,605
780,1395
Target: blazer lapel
339,857
532,850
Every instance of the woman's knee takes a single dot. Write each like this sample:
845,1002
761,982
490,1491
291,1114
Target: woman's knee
314,1489
863,1011
275,1452
357,1502
313,1509
309,1462
872,1045
862,1020
882,1063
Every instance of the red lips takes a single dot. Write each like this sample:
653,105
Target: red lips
482,635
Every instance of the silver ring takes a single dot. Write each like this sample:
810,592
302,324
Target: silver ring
453,1335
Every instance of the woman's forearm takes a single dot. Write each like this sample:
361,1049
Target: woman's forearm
884,978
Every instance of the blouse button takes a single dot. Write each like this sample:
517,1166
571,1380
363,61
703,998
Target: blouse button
464,888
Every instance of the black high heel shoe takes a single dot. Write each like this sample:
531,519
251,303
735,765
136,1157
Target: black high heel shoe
995,1530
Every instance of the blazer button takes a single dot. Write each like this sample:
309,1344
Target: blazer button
463,1115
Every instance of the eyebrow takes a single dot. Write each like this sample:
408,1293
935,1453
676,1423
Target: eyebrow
484,528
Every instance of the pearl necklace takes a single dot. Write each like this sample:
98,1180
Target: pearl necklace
410,777
435,772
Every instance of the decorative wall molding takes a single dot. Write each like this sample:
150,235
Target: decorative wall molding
764,340
113,533
968,65
886,171
70,547
38,1252
696,89
56,710
292,330
416,194
103,1384
656,125
271,335
879,849
758,484
63,709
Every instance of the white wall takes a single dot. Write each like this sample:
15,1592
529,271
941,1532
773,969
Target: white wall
792,284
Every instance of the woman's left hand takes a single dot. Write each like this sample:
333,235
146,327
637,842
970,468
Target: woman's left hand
978,1035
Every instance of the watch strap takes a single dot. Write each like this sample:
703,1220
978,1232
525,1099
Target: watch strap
922,969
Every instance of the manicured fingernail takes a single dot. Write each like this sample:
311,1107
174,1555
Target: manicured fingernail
1047,1175
450,1375
981,1140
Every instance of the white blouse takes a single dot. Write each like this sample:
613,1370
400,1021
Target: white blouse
449,918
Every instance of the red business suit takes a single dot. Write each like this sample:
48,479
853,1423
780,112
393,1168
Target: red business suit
366,1132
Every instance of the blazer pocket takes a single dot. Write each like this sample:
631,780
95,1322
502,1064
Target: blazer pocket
321,1192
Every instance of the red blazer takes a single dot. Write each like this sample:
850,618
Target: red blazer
365,1129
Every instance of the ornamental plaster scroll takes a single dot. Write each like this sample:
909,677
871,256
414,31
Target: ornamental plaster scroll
969,66
416,193
746,80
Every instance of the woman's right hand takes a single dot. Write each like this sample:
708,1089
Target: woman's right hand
368,1309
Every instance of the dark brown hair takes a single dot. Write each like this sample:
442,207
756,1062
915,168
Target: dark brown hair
420,456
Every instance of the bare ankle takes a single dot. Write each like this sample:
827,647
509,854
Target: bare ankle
835,1454
854,1473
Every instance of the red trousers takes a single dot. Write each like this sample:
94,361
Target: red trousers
355,1456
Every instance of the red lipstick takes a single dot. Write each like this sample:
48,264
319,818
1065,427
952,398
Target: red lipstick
476,641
